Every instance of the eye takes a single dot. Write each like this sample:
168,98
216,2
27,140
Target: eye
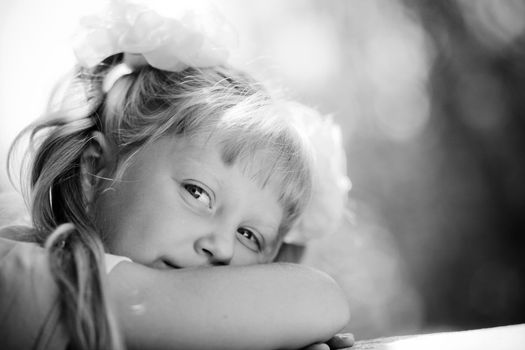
249,239
199,194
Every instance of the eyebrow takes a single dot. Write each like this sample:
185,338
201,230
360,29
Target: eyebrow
195,165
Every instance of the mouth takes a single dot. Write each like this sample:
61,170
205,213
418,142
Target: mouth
170,265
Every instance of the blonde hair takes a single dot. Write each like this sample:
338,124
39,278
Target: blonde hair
140,108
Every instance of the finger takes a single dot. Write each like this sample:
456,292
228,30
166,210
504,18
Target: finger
339,341
317,346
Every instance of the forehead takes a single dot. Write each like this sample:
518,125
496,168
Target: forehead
213,149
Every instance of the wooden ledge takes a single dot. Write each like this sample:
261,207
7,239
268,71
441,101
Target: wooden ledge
497,338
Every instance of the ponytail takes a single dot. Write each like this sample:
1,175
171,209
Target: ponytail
75,258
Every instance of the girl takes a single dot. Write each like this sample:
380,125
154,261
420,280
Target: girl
181,177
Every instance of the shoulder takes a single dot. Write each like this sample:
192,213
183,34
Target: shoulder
13,209
20,233
28,294
22,261
19,254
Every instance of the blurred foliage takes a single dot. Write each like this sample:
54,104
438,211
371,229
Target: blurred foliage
476,147
439,209
451,195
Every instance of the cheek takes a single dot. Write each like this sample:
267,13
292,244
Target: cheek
133,220
117,213
243,256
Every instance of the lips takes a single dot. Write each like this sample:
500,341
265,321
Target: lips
170,264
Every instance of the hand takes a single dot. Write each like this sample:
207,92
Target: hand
338,341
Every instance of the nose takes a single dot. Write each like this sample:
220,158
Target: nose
217,246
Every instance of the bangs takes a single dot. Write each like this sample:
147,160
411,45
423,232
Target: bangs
270,153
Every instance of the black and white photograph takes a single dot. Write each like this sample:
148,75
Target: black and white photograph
249,174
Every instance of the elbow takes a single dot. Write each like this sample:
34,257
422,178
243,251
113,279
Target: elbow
327,311
335,307
342,318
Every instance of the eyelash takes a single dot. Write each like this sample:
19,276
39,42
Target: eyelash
190,188
253,235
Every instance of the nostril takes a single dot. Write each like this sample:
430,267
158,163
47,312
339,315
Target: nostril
214,259
207,252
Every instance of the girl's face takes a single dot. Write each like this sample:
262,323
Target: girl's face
179,205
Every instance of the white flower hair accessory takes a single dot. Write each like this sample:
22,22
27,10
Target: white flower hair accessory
331,184
168,35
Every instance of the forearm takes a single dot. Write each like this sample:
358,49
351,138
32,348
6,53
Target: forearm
257,307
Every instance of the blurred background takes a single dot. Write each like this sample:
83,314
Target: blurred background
429,95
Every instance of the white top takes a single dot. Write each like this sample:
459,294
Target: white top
113,260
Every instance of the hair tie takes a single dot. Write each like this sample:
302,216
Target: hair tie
172,37
59,236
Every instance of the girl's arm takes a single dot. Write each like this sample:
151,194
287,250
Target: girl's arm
275,306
